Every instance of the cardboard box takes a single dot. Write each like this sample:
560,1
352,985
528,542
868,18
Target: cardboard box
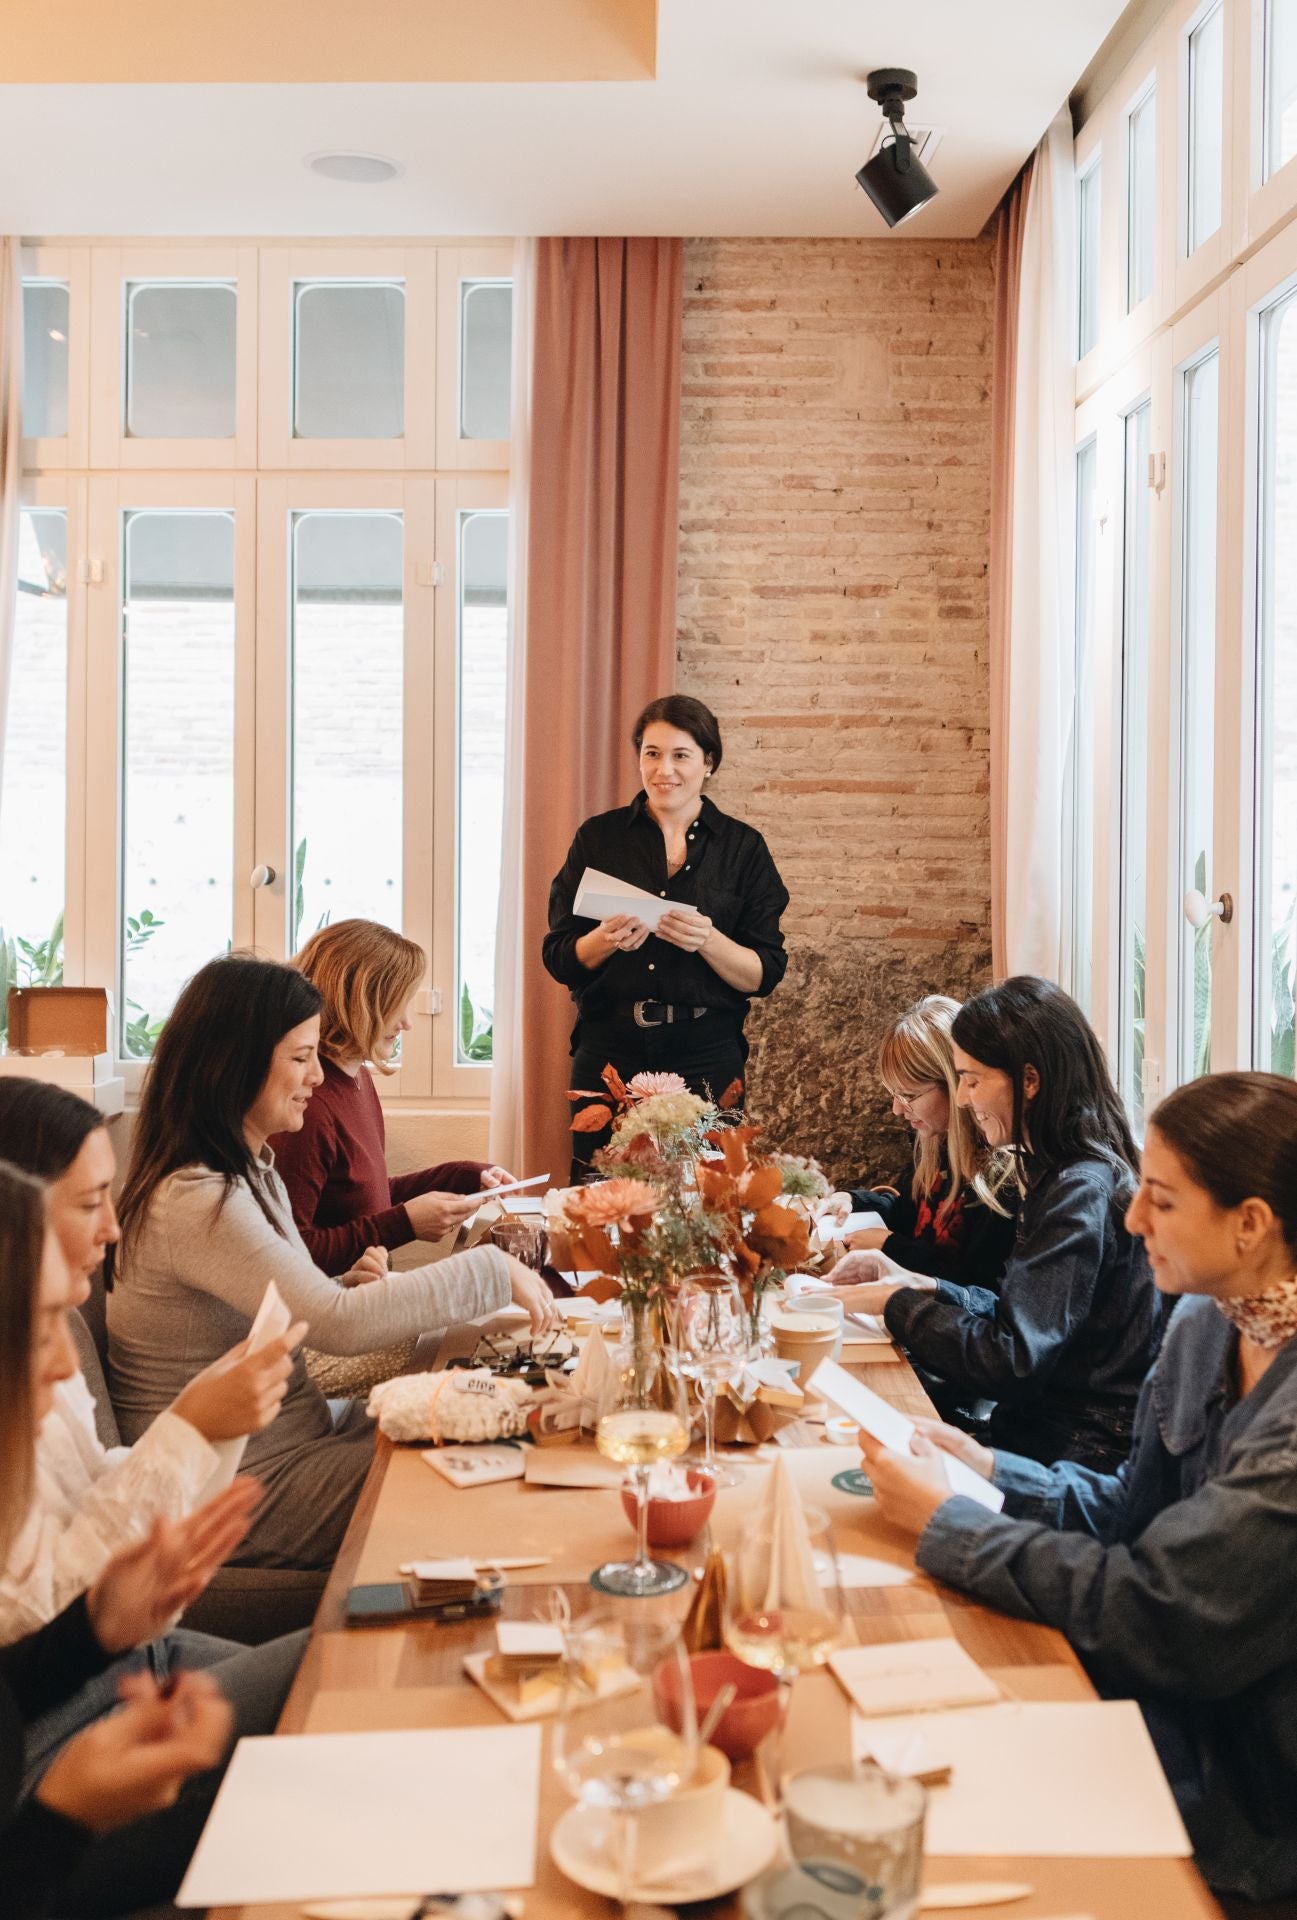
63,1035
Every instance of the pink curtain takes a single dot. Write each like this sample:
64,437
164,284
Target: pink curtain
11,386
594,641
1009,221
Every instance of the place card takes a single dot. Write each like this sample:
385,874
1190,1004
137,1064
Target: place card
478,1466
901,1676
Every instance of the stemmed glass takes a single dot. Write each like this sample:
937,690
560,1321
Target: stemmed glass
774,1617
611,1750
648,1422
713,1338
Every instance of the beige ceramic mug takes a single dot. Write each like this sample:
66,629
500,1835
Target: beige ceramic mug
686,1826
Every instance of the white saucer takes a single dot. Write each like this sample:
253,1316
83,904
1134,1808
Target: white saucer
744,1847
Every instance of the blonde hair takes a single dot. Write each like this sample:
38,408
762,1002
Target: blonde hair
364,974
917,1053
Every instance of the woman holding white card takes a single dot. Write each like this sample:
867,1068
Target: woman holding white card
206,1225
673,999
1172,1577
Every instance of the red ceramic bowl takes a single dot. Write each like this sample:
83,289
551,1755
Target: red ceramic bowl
749,1717
674,1523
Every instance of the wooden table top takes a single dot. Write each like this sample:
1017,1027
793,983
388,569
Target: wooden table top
413,1676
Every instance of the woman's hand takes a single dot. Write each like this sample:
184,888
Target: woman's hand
241,1392
909,1486
135,1761
871,1298
685,928
143,1588
496,1177
372,1265
868,1240
620,933
527,1289
960,1445
434,1215
834,1206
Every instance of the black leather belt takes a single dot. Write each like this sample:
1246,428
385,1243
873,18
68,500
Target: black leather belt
659,1013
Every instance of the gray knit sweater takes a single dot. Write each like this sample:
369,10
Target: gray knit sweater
194,1278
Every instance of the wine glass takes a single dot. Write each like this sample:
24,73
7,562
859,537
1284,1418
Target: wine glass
779,1619
610,1748
713,1339
648,1422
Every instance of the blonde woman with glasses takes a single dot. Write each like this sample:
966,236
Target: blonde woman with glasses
951,1219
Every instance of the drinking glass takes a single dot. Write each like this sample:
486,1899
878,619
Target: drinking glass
775,1618
612,1752
713,1338
858,1833
648,1422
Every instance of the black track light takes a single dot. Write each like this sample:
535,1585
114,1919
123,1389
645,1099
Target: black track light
895,179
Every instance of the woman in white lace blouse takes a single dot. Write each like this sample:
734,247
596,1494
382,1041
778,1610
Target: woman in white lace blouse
89,1502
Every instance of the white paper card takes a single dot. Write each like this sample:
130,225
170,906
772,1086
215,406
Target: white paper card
511,1186
339,1815
529,1640
862,1570
894,1430
570,1467
826,1230
601,895
443,1570
905,1676
1036,1778
272,1319
476,1466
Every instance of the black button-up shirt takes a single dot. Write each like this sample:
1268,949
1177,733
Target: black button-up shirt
728,874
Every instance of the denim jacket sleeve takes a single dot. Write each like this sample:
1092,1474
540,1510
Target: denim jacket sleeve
1011,1351
1197,1605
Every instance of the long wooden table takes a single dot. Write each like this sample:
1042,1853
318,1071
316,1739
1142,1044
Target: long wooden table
413,1676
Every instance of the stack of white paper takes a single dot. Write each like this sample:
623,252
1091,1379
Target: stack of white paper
908,1676
341,1815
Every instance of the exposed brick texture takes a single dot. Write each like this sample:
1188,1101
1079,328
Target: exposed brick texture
834,526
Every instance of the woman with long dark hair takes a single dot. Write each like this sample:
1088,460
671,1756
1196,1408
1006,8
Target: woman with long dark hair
672,998
87,1502
206,1224
1172,1577
1063,1345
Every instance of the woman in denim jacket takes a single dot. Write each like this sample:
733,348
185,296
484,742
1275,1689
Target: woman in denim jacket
1173,1577
1062,1345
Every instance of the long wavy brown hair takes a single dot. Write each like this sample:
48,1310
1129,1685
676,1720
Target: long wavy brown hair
364,973
22,1237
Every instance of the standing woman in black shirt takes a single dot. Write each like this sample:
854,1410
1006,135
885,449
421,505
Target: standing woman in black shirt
674,1000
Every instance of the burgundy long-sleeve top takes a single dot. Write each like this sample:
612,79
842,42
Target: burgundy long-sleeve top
335,1170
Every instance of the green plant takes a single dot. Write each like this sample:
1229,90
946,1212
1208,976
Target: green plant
476,1029
1283,1001
29,963
140,1035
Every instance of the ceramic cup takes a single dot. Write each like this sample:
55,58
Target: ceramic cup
686,1826
806,1338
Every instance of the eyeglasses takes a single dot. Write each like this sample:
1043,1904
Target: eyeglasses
911,1100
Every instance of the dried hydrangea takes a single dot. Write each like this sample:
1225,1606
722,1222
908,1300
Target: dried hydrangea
801,1175
641,1085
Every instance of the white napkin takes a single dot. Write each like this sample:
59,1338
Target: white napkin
595,1379
793,1579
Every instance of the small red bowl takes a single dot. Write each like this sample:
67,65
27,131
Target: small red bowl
749,1717
674,1523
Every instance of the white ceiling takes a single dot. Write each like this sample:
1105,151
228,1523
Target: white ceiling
755,125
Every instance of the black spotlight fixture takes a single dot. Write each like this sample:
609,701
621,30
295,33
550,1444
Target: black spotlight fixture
895,179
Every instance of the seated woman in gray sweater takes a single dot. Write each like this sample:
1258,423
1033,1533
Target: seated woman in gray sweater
206,1223
1173,1577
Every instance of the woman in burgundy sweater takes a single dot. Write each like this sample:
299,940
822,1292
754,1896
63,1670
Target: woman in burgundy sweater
335,1169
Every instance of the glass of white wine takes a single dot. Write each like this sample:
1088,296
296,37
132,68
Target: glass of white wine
776,1618
648,1422
713,1338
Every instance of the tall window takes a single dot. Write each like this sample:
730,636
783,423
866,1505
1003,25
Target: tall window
483,635
177,865
45,359
1276,891
1134,761
1280,84
1205,126
1078,775
1197,578
1087,263
1141,199
33,804
486,349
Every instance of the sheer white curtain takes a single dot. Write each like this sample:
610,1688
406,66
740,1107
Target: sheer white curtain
1036,711
507,1065
11,384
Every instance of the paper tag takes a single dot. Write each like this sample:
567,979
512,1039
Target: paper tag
529,1640
444,1570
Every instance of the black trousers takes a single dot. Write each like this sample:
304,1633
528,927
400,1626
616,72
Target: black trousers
707,1054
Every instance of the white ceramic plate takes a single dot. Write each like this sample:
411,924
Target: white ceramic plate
744,1848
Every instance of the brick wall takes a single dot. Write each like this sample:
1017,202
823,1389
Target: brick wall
833,611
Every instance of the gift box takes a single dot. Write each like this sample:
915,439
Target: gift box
765,1398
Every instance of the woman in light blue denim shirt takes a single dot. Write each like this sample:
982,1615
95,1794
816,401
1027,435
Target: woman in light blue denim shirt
1174,1577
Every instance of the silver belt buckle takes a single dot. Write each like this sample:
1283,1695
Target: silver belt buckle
637,1014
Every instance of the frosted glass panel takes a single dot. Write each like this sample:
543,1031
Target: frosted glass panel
349,361
1276,928
1078,775
178,741
45,360
1087,266
180,361
485,356
33,804
1141,207
1206,119
1280,84
483,634
1134,764
1198,700
348,679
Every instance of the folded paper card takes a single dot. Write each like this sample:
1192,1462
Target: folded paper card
272,1319
571,1467
1080,1780
853,1397
830,1229
794,1579
600,896
339,1815
908,1676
